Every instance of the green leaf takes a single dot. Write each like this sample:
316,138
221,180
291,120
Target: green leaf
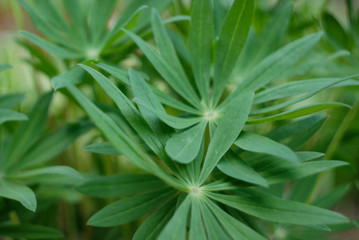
299,131
75,12
105,148
284,173
119,185
53,16
275,65
29,231
335,32
235,167
73,76
51,145
172,102
4,66
129,209
50,47
214,229
43,25
152,227
28,132
299,112
200,43
176,227
231,40
197,231
175,122
165,46
9,115
281,211
120,140
46,171
128,110
277,170
311,92
184,147
99,15
116,32
259,45
18,192
10,100
257,143
230,125
306,156
332,196
180,84
235,228
116,71
142,91
295,88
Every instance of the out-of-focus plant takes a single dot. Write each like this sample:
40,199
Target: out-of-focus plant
24,152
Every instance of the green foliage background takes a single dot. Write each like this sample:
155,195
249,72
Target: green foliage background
127,125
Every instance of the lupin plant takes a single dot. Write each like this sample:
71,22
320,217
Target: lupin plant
205,169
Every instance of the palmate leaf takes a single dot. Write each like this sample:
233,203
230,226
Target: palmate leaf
29,231
10,115
215,231
283,173
261,144
120,140
184,147
50,47
154,224
51,145
174,79
116,71
276,64
141,90
166,48
73,76
231,40
299,112
230,125
235,228
18,192
43,25
176,227
235,167
129,209
281,211
295,88
259,45
119,185
200,42
28,132
129,111
197,230
174,122
172,102
299,131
